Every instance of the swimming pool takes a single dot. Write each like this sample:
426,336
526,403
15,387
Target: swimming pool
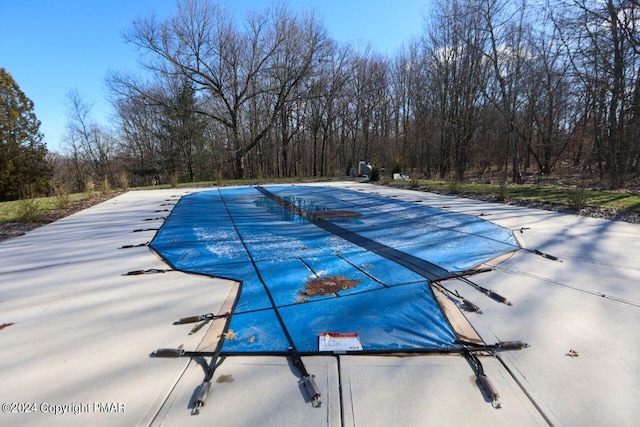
313,260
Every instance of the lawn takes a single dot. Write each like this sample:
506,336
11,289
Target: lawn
31,210
34,210
576,198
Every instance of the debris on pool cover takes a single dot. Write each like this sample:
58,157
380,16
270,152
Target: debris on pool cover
328,285
336,214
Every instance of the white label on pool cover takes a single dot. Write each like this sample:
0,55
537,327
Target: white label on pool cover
337,342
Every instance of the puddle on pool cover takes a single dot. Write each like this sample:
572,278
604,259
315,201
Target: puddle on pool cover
285,214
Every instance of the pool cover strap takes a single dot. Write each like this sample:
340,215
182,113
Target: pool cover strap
419,266
198,318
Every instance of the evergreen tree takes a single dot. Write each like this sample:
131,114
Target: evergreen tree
23,168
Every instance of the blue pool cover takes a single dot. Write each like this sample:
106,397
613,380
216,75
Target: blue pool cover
320,259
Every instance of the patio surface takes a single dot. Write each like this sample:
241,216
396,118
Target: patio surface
78,332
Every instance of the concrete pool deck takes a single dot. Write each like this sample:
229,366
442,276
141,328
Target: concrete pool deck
78,332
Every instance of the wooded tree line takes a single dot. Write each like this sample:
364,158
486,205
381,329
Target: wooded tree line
491,85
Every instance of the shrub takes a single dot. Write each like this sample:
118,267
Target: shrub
63,197
218,177
397,168
89,188
123,180
375,174
578,198
174,180
105,188
503,191
28,210
453,186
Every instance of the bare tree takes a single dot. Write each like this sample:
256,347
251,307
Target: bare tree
367,118
601,38
232,68
548,116
504,26
91,145
139,142
324,105
406,74
458,76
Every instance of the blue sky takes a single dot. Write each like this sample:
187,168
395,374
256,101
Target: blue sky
53,46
